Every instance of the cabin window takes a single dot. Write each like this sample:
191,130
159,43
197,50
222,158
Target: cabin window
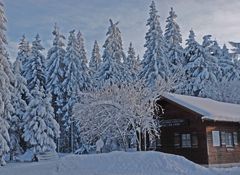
216,138
194,140
177,140
223,138
186,140
229,139
235,138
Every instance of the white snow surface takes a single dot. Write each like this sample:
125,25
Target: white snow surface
208,108
115,163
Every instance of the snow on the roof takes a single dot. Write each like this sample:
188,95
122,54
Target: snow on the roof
208,108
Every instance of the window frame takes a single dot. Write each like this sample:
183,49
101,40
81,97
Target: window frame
235,138
186,142
223,138
229,140
194,138
216,139
177,140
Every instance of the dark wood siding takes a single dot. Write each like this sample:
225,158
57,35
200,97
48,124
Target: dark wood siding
193,124
222,154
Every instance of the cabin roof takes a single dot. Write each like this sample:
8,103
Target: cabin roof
208,108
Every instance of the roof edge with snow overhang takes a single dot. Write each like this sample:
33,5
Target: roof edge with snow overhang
208,108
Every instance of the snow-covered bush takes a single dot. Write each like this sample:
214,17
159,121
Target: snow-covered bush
117,114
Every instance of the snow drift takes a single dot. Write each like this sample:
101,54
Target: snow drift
115,163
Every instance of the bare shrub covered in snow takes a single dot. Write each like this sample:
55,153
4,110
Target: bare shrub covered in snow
117,114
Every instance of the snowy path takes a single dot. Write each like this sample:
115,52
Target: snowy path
116,163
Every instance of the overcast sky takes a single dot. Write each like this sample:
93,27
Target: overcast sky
220,18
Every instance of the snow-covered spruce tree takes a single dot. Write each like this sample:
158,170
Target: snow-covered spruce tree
215,49
95,60
55,70
76,79
40,127
118,114
198,68
237,65
211,49
83,70
70,89
130,62
85,84
216,52
154,63
81,47
174,39
20,98
225,91
138,64
236,55
190,55
235,49
211,53
112,70
226,65
6,89
23,54
35,68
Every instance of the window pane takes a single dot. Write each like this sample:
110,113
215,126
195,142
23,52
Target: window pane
229,139
235,138
216,138
194,141
176,139
186,141
223,136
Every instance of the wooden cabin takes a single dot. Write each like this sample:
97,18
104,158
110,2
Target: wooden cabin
202,130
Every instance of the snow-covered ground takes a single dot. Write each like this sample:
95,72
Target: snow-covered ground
115,163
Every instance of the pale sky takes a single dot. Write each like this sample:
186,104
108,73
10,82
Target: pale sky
220,18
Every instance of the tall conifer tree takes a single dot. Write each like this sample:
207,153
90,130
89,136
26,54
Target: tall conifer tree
55,76
112,70
6,89
95,60
174,39
35,68
154,64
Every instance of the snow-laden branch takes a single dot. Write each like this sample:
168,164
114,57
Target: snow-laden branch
118,113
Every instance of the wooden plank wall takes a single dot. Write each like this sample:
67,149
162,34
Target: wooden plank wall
194,125
222,154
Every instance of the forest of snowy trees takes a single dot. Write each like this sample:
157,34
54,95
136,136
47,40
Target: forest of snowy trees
67,102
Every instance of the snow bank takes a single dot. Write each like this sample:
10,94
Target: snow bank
116,163
119,163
